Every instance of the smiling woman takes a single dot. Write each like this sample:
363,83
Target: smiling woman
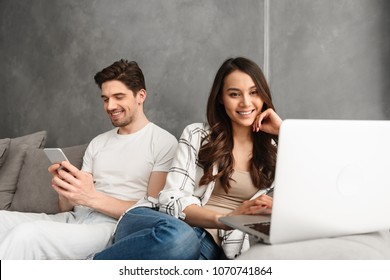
221,168
241,99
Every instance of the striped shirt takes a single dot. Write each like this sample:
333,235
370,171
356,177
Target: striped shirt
182,187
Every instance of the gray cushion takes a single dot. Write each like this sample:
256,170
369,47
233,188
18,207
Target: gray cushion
9,172
33,191
4,147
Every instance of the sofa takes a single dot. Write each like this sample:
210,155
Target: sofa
25,183
25,186
369,246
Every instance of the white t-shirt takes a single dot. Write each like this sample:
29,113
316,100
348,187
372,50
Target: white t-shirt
121,164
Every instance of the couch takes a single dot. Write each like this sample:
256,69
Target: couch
25,183
370,246
25,186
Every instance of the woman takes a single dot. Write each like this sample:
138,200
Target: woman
218,168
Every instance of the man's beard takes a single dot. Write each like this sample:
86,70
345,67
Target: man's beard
122,123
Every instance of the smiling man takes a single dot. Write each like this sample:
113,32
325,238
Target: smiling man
120,167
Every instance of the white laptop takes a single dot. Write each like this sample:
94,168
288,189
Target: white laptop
332,178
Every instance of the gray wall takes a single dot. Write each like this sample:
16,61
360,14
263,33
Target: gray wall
51,50
330,59
327,59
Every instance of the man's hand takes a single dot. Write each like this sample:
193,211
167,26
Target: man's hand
76,187
73,184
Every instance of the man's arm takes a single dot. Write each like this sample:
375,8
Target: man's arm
109,205
76,187
156,183
64,204
115,207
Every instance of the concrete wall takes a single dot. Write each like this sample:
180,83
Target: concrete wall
51,50
330,59
325,59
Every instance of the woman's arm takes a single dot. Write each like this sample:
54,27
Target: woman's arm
181,188
198,216
201,217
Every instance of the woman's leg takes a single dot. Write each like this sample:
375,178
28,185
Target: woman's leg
144,233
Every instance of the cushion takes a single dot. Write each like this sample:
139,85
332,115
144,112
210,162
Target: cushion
4,147
33,190
9,172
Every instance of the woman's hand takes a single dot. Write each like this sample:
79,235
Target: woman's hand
268,121
260,205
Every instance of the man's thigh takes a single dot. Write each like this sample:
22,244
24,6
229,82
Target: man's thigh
10,219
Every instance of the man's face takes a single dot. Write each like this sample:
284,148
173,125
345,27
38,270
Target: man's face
120,103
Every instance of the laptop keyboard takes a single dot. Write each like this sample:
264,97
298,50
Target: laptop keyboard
263,227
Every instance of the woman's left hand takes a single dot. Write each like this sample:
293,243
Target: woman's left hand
268,121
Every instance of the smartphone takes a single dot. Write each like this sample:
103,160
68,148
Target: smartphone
55,155
270,191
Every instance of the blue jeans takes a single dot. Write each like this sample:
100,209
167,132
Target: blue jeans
146,234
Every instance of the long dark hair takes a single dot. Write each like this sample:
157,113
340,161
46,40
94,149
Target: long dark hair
217,147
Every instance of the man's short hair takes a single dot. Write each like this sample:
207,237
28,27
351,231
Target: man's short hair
127,72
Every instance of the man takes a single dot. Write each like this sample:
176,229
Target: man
120,167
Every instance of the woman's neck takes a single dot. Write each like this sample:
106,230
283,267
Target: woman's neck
242,134
242,148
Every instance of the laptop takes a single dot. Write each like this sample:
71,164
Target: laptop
332,179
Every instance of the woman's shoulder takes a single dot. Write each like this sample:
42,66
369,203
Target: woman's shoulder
197,128
194,133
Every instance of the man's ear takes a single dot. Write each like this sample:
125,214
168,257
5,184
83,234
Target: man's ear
141,96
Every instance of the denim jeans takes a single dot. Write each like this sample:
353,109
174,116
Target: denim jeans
146,234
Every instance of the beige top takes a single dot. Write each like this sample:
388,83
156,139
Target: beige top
241,189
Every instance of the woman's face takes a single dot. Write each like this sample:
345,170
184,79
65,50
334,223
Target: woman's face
241,99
